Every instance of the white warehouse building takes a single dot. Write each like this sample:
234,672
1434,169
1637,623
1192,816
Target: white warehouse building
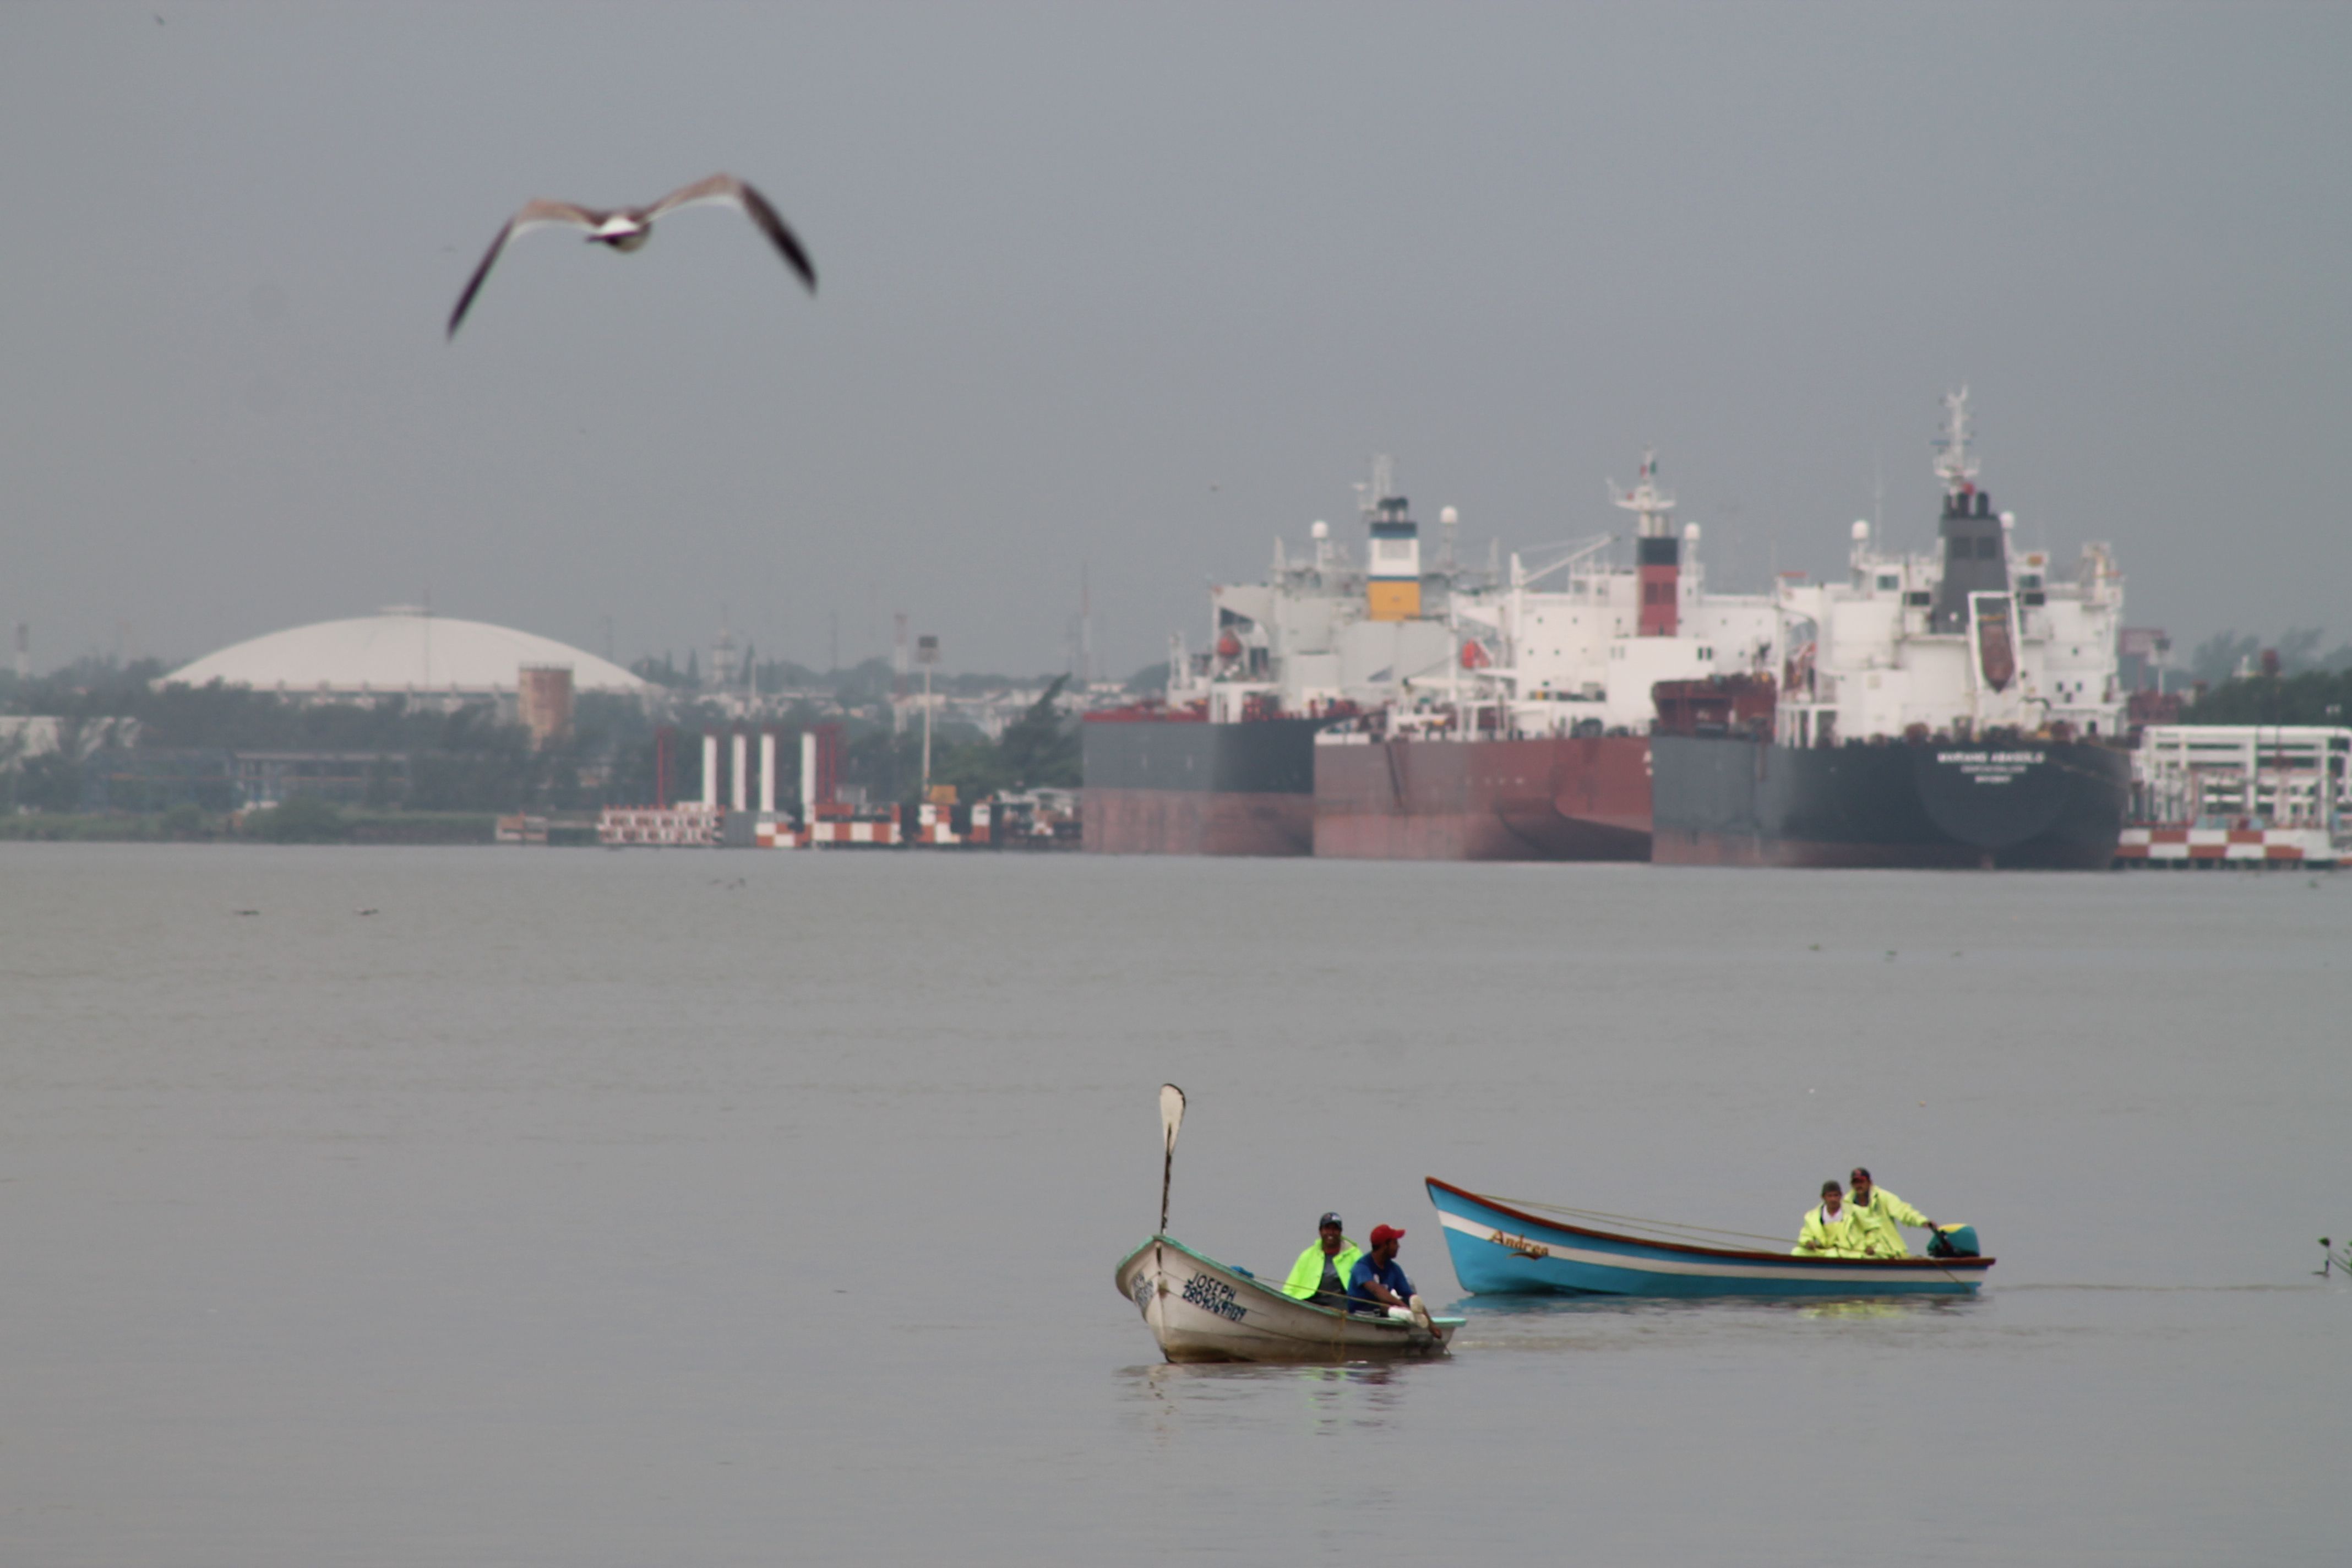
402,651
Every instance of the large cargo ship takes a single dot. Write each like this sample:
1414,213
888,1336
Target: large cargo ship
1958,709
1532,742
1422,710
1224,763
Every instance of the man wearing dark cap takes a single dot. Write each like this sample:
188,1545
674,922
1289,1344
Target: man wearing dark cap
1320,1275
1879,1216
1378,1285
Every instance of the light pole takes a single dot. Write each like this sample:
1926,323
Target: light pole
927,654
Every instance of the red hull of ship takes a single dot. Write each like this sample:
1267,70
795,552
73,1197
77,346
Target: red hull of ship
1553,799
1198,822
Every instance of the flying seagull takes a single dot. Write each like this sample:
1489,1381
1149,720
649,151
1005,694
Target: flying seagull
626,228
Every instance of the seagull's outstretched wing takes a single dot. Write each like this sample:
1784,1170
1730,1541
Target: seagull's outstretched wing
534,214
727,188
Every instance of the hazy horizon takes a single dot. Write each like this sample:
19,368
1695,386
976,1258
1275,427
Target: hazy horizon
1129,293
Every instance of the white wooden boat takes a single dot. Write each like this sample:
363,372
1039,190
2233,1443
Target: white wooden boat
1201,1310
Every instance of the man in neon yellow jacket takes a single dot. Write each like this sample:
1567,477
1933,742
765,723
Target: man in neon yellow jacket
1878,1217
1320,1275
1829,1228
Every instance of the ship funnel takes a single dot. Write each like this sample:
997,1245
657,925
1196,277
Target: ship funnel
1392,590
1975,539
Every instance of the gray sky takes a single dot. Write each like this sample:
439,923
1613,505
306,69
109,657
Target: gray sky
1144,287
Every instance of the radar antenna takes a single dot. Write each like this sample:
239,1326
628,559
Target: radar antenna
1654,506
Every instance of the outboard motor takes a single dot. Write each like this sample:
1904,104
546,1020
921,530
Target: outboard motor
1953,1241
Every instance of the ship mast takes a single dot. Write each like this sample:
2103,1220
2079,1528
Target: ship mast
1369,496
1654,506
1955,464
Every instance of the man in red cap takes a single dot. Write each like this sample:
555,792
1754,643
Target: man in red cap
1376,1285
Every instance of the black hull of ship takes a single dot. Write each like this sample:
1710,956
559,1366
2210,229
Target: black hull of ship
1181,787
2038,805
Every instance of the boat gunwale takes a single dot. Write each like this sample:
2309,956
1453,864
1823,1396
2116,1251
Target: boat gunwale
1940,1263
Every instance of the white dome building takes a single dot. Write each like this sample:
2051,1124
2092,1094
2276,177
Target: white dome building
401,652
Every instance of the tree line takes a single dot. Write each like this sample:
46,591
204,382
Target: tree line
428,758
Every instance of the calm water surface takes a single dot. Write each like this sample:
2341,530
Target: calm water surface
584,1208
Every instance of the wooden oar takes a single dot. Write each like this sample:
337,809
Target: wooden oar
1172,1117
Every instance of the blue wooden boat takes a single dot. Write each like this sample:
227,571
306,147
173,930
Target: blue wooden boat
1500,1251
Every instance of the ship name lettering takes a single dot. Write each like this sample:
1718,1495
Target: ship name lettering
2011,759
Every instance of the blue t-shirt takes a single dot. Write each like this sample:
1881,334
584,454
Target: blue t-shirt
1363,1300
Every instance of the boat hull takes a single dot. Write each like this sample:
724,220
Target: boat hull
1174,787
1201,1311
2050,805
1500,1251
1555,798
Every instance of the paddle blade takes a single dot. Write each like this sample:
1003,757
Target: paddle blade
1172,1117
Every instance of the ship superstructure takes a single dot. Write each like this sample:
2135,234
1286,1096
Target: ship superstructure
1959,707
1581,656
1978,636
1571,642
1324,635
1224,764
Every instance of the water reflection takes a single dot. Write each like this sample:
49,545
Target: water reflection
1308,1399
1621,1322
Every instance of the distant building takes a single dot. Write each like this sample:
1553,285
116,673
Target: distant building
546,702
430,660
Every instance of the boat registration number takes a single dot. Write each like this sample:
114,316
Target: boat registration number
1213,1296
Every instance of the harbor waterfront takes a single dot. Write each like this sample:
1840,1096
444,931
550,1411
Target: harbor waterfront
612,1208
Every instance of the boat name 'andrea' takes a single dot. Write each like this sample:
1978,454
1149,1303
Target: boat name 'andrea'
1213,1296
1520,1244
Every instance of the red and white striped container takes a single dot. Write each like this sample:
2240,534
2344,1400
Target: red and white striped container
855,831
2159,845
